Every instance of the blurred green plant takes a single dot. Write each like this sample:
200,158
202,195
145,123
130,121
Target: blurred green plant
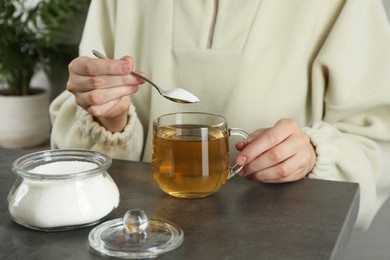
32,37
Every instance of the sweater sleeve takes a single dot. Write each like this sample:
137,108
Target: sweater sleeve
351,72
99,29
73,127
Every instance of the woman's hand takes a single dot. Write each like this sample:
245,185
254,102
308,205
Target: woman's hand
282,153
102,87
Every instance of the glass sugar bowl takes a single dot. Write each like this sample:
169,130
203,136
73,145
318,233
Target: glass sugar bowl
59,190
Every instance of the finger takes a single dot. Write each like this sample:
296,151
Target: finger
242,144
275,155
101,96
83,84
266,140
129,59
90,66
104,109
289,170
296,176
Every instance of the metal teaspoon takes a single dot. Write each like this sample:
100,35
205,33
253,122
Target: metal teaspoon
178,95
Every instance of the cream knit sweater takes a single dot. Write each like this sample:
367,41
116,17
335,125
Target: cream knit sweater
323,63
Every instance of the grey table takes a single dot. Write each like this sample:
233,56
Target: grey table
308,219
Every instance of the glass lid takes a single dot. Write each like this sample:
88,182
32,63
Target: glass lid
135,236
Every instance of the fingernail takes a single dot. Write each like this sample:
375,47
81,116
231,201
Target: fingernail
241,160
125,68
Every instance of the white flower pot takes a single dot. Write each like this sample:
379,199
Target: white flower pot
24,120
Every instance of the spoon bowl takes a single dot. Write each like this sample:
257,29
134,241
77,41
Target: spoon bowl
178,95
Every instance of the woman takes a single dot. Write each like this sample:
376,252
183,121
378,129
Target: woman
310,79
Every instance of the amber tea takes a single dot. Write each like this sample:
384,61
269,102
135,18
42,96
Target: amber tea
190,153
190,165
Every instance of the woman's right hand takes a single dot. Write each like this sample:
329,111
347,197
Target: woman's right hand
103,87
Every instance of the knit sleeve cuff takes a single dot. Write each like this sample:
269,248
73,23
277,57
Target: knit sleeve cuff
320,137
100,135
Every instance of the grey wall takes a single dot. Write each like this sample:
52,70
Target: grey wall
386,3
374,243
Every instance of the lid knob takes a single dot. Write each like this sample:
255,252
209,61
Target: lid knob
135,221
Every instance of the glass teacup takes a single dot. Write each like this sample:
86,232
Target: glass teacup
190,157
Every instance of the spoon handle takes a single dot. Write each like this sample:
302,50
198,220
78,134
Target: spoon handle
101,56
146,79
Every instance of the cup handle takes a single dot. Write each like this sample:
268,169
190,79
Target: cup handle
233,170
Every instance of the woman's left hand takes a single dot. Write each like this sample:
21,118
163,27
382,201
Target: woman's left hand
282,153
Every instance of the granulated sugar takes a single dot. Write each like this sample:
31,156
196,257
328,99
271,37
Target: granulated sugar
182,94
64,167
50,204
